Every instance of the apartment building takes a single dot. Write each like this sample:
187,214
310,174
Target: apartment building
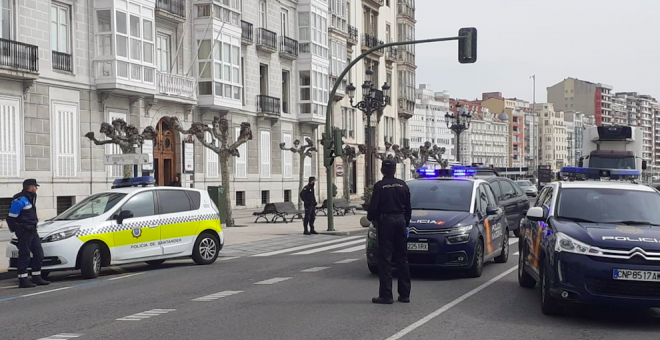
553,144
495,102
428,122
69,66
575,123
592,99
487,139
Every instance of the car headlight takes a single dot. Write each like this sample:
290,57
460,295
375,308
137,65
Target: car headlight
464,228
372,233
61,234
565,243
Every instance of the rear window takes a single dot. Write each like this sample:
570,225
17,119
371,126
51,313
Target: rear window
524,183
173,201
441,195
195,199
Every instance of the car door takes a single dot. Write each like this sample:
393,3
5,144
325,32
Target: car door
497,222
179,221
509,201
522,203
488,222
538,229
139,236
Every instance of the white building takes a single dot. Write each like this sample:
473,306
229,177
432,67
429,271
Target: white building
428,123
487,139
553,136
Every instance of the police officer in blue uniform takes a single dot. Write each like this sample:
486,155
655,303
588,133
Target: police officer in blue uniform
309,200
390,212
22,220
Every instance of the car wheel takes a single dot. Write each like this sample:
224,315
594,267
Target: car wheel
155,263
90,261
373,268
549,305
478,263
524,279
504,256
206,249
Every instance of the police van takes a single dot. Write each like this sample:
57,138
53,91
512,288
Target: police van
135,221
593,238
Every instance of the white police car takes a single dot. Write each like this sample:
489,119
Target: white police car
133,222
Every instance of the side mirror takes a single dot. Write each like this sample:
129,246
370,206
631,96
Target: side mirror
492,210
535,214
124,214
643,165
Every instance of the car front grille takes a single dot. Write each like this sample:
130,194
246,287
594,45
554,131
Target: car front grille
624,288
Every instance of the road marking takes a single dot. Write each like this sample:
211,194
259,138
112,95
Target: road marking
346,261
217,295
227,258
334,246
307,246
7,287
450,305
46,291
516,253
273,280
314,270
513,241
62,336
146,315
350,250
123,276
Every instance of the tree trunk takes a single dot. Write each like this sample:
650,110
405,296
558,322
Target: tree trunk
347,179
224,173
128,168
300,180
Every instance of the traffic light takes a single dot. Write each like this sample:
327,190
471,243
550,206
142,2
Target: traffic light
467,45
328,153
338,142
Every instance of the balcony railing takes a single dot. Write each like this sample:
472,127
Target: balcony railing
267,38
289,46
176,7
352,33
247,32
62,61
18,55
176,85
304,47
371,41
391,52
268,105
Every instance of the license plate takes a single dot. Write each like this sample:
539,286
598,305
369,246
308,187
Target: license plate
418,246
636,275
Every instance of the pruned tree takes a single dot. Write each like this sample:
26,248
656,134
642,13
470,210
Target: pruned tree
304,151
419,158
392,152
350,155
219,131
124,135
436,153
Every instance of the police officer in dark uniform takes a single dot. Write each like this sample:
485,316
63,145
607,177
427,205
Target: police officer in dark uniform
309,200
390,212
22,220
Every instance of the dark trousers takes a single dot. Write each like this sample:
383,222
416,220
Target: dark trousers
28,241
310,216
393,247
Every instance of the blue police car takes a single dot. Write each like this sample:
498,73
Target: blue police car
593,238
456,223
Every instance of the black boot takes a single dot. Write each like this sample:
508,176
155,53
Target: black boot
382,300
24,282
313,232
306,232
38,280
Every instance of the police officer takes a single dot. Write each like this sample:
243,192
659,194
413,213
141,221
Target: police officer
390,212
309,200
22,220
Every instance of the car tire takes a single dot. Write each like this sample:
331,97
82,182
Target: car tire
155,263
504,256
549,304
206,249
90,261
524,279
478,263
373,268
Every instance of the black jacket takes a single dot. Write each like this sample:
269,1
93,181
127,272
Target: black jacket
391,196
23,211
307,195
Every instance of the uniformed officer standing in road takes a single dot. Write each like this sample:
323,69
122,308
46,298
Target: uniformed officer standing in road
309,200
22,220
390,212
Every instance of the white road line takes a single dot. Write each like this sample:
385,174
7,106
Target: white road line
123,276
62,336
227,258
282,251
45,291
450,305
145,315
347,261
350,250
314,270
273,280
516,253
217,295
334,246
513,241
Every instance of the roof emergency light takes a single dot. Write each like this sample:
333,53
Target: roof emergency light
133,182
453,172
574,173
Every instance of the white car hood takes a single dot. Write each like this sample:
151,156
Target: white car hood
47,227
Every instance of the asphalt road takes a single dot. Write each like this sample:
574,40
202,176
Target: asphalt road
323,293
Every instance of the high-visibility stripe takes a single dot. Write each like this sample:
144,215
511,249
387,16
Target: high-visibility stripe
12,215
36,273
489,239
22,276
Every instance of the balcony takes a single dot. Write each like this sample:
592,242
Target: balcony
268,107
19,60
391,54
247,33
370,41
266,40
352,36
171,10
341,90
376,3
62,62
406,108
124,78
174,86
288,48
406,11
406,58
314,118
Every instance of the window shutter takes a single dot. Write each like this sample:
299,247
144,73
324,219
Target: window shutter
241,162
265,154
212,164
287,157
113,149
10,132
308,164
65,143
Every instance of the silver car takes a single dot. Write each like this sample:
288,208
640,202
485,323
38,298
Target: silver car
527,187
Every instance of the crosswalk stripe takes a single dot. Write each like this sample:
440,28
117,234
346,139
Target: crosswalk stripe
307,246
314,270
217,295
347,261
271,281
513,241
334,246
61,336
350,250
516,253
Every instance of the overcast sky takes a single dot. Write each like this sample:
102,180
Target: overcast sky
615,42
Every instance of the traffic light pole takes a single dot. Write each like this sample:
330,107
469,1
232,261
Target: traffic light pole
329,158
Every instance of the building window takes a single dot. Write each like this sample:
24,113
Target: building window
314,28
287,156
163,53
65,139
113,149
64,203
263,12
305,92
265,197
212,163
10,137
264,154
284,21
339,11
223,66
104,32
59,28
285,91
348,121
240,162
287,195
307,171
6,25
240,198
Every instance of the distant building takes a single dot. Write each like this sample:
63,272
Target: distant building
487,139
592,99
553,136
428,122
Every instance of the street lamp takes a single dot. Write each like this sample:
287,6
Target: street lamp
373,101
458,123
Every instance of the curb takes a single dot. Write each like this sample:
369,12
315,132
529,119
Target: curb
5,275
344,233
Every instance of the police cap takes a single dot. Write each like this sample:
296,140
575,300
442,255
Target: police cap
388,164
30,181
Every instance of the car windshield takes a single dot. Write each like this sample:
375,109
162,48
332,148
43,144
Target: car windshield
611,163
91,206
441,195
524,183
608,205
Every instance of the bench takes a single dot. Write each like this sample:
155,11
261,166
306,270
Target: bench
344,205
278,211
269,209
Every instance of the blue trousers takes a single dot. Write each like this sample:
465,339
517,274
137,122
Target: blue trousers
29,242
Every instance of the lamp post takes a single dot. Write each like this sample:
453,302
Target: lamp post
373,100
458,123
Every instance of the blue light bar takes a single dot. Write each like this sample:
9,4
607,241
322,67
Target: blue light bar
453,172
598,173
133,182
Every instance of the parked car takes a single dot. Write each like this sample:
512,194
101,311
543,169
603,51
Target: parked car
527,187
512,198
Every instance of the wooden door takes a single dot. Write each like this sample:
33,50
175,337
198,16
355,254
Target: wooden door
164,153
